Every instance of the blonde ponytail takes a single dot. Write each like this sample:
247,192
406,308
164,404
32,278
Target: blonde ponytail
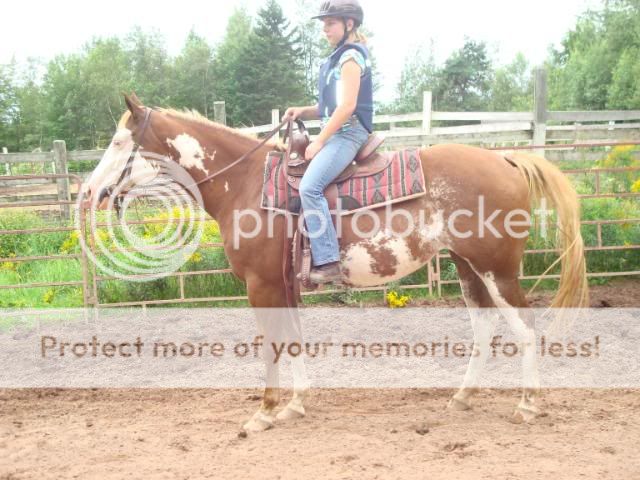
359,37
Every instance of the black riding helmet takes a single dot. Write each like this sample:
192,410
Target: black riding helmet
342,9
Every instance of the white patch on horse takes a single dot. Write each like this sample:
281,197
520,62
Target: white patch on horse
191,152
439,190
226,186
489,281
360,260
435,228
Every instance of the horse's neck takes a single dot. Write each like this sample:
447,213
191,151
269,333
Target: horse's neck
236,187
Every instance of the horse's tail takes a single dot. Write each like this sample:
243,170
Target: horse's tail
548,184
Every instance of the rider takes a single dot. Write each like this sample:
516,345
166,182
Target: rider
345,106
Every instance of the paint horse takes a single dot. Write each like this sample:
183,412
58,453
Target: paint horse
487,255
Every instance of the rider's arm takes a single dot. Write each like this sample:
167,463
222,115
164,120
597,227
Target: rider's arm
350,75
310,113
303,113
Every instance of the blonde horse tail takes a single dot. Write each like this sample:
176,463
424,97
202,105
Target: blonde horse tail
548,184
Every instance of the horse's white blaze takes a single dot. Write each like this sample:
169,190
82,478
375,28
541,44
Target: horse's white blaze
114,161
191,152
226,186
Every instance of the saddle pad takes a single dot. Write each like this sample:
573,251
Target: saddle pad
403,179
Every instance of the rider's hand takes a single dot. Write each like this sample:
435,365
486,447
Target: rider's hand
292,113
313,149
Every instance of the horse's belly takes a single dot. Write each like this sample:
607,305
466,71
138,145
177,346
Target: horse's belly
384,258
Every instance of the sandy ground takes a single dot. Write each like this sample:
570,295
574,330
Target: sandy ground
401,433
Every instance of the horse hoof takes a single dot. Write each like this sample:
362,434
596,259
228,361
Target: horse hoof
523,415
458,405
291,412
258,423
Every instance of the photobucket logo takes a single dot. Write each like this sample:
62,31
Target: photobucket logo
157,245
481,222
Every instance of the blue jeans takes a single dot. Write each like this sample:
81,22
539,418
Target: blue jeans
329,162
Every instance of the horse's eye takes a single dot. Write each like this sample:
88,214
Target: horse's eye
116,143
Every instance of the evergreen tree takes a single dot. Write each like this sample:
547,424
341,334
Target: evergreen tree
464,81
271,74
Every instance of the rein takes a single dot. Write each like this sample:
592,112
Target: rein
270,134
126,172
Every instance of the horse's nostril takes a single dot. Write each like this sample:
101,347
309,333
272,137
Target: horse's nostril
105,192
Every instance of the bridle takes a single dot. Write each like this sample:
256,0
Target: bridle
126,172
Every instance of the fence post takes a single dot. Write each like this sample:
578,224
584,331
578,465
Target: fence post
220,112
275,117
275,121
60,165
540,109
427,99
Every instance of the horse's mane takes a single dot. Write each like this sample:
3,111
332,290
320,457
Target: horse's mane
197,117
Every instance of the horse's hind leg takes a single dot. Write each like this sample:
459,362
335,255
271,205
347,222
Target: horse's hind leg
508,296
483,321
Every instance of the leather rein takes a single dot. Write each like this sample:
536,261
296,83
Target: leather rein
126,172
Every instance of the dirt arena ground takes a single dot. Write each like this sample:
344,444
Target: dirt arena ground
401,433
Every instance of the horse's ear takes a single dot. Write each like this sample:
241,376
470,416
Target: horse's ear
135,98
134,105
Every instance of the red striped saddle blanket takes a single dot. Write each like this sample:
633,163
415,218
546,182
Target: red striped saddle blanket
393,177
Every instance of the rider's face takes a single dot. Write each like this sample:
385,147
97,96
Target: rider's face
334,29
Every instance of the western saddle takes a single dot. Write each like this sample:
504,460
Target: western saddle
367,162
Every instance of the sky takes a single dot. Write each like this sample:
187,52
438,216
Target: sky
45,29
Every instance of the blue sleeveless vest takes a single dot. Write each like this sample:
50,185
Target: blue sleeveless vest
328,86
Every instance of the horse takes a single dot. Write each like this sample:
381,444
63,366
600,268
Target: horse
487,255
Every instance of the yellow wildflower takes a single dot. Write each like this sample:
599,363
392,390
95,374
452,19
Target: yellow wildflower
48,296
396,301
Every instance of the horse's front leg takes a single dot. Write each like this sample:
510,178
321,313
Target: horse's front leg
293,333
278,326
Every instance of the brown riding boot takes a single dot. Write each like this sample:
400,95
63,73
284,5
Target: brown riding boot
327,273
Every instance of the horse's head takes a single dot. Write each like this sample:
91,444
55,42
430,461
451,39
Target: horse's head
124,163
